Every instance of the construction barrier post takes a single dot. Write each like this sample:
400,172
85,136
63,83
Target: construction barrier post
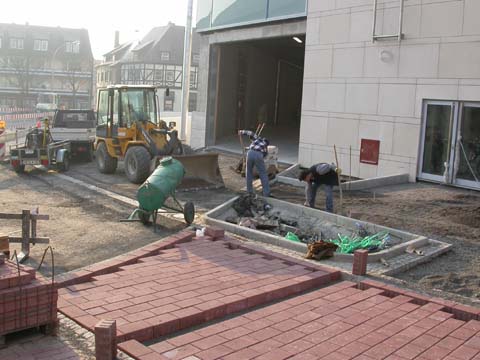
2,142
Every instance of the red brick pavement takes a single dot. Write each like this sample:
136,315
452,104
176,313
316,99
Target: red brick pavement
340,321
187,284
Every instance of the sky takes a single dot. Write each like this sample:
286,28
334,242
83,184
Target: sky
133,18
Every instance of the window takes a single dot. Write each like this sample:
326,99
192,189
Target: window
170,76
103,107
228,12
16,43
164,56
204,14
40,45
391,24
137,105
277,8
168,101
196,58
450,150
192,101
193,77
72,47
158,76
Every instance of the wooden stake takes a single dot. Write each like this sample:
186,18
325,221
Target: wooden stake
25,233
350,178
339,181
261,129
258,128
244,160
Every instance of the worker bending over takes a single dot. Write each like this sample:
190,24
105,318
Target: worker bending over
317,175
257,151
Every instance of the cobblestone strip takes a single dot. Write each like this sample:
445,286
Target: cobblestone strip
79,339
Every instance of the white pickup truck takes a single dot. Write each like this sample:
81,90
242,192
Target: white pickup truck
78,127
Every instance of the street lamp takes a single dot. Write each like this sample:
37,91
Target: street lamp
73,43
187,53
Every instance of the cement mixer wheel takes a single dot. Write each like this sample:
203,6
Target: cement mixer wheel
137,164
189,212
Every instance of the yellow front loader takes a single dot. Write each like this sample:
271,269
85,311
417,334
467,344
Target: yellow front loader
128,129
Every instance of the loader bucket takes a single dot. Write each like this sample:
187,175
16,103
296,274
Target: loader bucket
201,170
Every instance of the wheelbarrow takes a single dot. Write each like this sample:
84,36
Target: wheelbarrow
155,191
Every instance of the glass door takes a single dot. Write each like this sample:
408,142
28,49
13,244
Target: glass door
437,152
467,150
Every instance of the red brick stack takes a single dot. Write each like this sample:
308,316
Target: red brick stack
26,300
360,262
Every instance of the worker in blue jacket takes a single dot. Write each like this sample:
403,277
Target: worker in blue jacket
257,151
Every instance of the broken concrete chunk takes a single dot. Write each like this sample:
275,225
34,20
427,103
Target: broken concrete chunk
250,205
248,223
264,222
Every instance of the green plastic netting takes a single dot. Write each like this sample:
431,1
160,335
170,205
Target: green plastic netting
347,244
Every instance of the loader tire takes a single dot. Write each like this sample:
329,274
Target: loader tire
137,164
105,163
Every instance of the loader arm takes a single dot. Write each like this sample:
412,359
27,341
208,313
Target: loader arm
150,143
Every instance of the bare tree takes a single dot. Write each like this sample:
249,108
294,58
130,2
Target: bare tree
19,67
75,81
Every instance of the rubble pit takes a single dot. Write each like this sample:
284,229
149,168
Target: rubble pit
311,221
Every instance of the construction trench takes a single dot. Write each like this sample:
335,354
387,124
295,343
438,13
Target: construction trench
294,227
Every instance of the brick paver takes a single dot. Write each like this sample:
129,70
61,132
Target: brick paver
27,299
188,284
337,322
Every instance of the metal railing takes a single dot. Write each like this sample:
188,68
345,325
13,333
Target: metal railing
399,36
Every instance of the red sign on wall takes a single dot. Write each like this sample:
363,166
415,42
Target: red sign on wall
369,151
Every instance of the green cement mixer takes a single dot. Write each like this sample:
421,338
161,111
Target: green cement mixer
154,192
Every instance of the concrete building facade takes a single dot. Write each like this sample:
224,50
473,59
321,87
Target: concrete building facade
393,85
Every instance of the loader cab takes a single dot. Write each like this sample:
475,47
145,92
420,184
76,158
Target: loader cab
121,106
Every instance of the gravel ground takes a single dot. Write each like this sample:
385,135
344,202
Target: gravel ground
83,228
